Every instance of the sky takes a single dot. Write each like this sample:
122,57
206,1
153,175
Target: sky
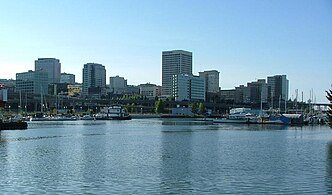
243,40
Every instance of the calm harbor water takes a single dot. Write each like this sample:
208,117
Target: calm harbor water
154,156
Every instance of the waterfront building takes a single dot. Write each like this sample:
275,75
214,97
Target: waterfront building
67,78
94,80
227,95
9,84
74,90
50,65
32,82
117,84
149,90
173,63
238,94
278,87
188,88
211,78
58,89
131,90
255,92
3,95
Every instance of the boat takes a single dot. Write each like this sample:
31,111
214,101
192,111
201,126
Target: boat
238,115
88,117
13,124
113,113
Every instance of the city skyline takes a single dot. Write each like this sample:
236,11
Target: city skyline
244,41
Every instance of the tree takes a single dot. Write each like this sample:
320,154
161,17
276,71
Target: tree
159,107
329,110
194,108
201,108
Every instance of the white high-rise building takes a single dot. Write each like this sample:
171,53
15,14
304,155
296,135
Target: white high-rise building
94,80
188,87
211,78
50,65
173,63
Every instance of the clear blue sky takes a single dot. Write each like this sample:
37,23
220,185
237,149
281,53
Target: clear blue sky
243,40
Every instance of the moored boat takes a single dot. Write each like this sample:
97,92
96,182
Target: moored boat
113,113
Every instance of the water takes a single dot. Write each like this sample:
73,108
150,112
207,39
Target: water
152,156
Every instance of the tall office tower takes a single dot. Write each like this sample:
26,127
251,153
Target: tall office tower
67,78
117,84
32,82
211,78
173,63
50,65
94,80
278,86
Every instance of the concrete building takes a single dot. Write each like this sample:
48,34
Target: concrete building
67,78
74,90
32,82
117,85
173,63
149,90
50,65
94,80
131,90
211,80
255,92
188,88
9,84
227,95
238,94
278,87
58,89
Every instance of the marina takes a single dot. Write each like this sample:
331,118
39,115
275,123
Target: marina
165,156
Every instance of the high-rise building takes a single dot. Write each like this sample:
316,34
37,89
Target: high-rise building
117,84
278,87
50,65
94,80
173,63
67,78
255,92
32,82
188,87
211,78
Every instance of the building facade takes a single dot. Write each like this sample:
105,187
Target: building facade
255,92
278,87
173,63
32,82
227,95
117,84
149,90
188,88
51,66
211,80
94,80
67,78
74,90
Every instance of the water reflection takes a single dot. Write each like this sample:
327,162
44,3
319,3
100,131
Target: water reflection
328,180
176,158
